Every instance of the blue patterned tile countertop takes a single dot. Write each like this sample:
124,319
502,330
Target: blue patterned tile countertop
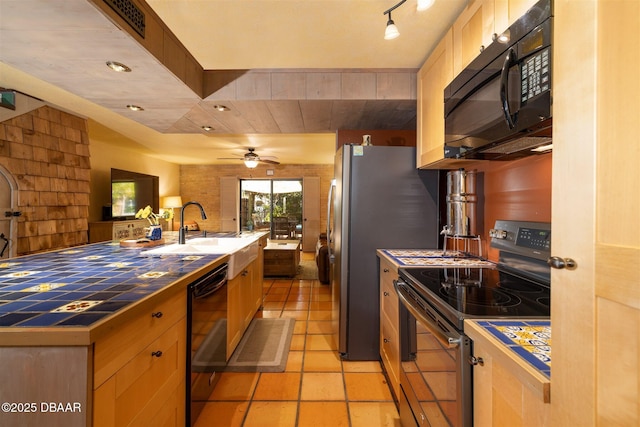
531,340
82,285
432,257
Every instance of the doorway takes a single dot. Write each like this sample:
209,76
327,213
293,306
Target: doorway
8,247
273,205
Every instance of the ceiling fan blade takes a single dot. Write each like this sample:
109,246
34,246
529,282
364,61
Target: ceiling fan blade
230,158
271,162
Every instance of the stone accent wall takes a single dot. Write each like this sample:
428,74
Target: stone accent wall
201,183
47,152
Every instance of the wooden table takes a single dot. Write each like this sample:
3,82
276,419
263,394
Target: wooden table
281,258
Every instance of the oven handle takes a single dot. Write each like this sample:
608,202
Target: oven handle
446,340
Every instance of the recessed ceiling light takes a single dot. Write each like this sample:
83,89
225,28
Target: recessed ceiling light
207,128
221,107
543,148
135,107
118,66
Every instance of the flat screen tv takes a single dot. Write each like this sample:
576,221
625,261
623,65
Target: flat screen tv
131,191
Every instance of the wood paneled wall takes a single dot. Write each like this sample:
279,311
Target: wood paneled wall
47,153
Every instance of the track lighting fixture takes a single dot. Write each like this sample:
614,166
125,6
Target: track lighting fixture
391,32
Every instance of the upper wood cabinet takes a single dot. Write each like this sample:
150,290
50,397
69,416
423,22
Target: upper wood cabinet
433,77
460,45
479,21
472,31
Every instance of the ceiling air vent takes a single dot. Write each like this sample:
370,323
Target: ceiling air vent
128,11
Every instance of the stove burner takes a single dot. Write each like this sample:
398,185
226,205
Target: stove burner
546,301
462,296
520,285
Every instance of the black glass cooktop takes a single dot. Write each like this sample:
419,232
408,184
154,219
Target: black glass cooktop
459,293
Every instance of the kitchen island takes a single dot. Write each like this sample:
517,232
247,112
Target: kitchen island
95,335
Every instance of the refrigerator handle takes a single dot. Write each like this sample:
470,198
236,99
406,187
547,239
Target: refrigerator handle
329,203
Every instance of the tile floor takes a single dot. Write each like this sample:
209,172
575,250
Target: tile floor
317,388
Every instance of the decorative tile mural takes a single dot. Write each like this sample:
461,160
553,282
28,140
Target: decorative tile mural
531,340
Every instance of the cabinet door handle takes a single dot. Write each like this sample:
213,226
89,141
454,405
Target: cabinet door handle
560,263
156,353
474,361
157,314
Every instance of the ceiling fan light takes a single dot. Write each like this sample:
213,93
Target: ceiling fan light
424,4
391,32
251,164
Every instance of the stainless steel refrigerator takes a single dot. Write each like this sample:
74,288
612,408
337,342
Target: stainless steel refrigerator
378,200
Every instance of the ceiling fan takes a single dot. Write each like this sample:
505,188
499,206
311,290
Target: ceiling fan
251,159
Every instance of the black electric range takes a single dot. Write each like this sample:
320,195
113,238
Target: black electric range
517,286
459,293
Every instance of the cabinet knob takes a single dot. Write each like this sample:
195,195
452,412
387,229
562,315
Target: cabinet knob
560,263
157,314
474,361
386,340
385,293
156,353
386,270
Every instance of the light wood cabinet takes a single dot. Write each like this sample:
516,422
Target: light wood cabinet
506,392
460,45
595,308
389,321
244,299
139,368
478,23
433,77
473,31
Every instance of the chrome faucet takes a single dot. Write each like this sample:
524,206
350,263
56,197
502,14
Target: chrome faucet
183,232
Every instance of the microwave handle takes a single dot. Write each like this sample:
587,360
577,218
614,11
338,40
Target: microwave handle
509,60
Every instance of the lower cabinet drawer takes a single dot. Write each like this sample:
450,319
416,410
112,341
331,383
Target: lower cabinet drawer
141,388
279,255
115,349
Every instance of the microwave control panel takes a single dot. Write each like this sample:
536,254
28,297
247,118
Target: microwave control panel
536,75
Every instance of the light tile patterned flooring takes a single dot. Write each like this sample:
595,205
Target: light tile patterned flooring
317,388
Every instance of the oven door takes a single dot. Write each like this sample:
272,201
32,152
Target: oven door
436,383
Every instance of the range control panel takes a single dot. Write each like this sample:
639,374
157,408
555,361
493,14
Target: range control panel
532,239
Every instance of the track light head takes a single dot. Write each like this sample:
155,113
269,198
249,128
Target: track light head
391,32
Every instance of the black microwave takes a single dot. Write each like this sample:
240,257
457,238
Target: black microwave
499,106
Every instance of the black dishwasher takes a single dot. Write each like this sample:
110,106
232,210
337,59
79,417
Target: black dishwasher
206,338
